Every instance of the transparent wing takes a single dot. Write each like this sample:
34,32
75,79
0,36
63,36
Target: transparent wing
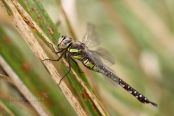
104,54
91,38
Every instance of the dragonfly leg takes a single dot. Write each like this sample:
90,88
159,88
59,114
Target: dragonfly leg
69,69
74,61
57,58
54,50
62,50
52,47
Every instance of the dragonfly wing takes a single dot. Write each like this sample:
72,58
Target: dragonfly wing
91,38
93,57
104,54
98,61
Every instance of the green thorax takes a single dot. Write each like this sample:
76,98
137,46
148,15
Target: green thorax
78,54
75,53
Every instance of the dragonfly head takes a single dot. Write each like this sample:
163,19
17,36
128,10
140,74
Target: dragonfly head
64,42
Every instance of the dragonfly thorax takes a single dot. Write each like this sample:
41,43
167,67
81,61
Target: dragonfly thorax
64,42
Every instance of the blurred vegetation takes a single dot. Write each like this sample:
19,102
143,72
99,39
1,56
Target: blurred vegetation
138,33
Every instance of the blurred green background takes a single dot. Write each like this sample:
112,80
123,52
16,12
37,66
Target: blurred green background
138,34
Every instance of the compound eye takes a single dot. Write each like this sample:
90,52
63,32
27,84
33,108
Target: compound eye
67,40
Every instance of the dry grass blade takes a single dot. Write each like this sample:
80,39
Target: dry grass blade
26,32
70,28
37,49
92,96
7,79
19,84
2,106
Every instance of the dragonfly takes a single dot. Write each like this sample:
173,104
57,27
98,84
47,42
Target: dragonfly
76,50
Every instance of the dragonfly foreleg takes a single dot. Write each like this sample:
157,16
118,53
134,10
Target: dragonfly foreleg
54,50
69,68
57,58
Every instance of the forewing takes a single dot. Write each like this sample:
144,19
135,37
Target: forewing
91,38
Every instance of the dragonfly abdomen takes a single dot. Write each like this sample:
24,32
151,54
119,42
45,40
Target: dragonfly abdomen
126,86
87,63
135,93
